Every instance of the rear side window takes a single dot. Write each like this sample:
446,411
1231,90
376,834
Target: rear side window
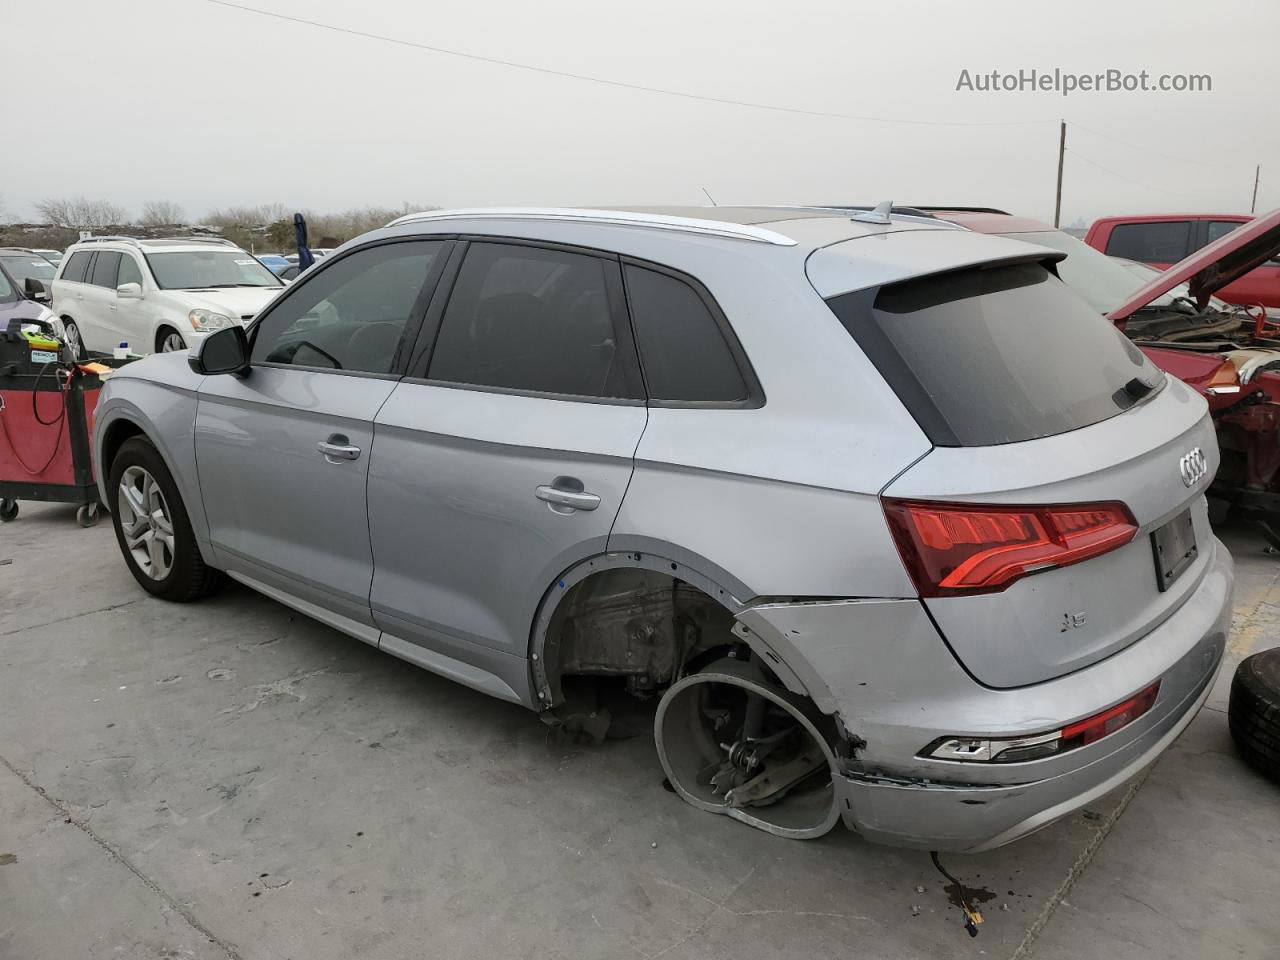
1166,242
76,267
683,352
996,355
528,318
1220,228
104,269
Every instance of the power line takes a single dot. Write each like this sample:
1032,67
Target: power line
1147,151
662,91
1121,176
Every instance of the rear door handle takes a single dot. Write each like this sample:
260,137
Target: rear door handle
566,501
338,447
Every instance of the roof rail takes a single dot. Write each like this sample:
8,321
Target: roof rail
621,218
139,241
193,239
108,239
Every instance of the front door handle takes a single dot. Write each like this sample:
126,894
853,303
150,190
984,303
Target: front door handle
338,447
562,496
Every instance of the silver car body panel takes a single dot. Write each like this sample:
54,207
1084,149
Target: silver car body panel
773,510
156,396
882,668
271,497
893,255
453,507
1021,634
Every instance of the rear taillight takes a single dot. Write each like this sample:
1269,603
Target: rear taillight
957,549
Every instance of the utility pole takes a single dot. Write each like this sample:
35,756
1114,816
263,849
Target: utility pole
1062,152
1257,173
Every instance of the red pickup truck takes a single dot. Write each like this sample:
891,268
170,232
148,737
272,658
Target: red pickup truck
1164,239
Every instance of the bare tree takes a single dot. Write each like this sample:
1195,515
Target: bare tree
260,215
80,212
161,213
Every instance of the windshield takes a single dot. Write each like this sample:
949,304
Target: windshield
21,267
7,293
1147,273
202,269
1104,282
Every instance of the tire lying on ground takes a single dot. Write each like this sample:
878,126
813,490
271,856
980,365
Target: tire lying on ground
1254,711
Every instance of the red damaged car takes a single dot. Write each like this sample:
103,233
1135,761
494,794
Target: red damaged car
1227,353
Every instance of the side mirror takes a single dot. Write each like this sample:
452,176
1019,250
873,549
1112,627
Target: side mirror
35,289
129,291
223,351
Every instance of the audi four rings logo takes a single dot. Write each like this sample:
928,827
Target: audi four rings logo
1193,466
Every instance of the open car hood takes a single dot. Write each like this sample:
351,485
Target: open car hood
1212,267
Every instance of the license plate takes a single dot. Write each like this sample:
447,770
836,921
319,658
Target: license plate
1174,547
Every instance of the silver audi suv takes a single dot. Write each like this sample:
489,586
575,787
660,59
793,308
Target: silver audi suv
877,520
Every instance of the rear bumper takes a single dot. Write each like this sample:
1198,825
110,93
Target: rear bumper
942,816
881,667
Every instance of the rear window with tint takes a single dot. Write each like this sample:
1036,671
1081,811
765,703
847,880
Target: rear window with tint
996,355
104,268
76,267
682,350
1166,242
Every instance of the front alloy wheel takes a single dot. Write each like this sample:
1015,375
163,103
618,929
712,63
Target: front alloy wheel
152,525
145,522
71,333
171,342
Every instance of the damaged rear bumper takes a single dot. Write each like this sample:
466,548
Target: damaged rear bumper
882,669
973,818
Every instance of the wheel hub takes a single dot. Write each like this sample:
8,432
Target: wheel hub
145,522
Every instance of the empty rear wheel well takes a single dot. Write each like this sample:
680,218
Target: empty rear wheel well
632,628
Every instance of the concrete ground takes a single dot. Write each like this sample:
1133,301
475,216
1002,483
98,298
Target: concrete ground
232,780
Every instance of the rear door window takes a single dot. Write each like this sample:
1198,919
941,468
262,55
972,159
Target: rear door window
104,269
533,319
76,267
996,355
683,352
1165,242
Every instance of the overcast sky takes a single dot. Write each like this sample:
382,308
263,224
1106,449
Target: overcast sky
184,100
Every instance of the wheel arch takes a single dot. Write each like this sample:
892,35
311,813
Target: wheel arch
119,419
664,559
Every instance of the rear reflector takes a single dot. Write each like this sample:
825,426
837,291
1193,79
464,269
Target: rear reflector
1039,746
1109,721
953,549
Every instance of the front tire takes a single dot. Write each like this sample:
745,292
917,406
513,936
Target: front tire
152,526
169,340
74,341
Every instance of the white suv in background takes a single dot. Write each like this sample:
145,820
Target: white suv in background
156,295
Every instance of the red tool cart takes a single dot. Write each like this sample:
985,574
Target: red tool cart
46,419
